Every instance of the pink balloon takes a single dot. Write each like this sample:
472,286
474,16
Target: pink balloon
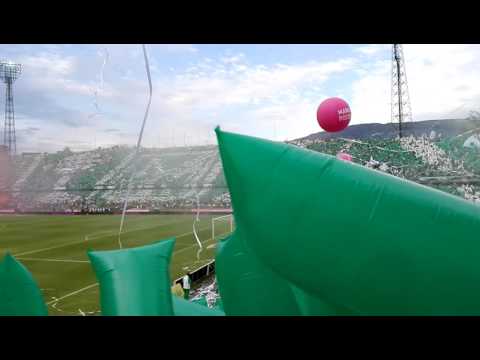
344,156
334,114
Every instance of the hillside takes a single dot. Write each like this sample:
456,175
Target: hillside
434,154
436,128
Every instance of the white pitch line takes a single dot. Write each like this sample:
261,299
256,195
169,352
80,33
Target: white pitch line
76,242
49,248
96,284
107,233
72,293
92,285
67,244
53,260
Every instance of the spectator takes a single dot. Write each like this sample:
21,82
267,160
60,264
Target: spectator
186,285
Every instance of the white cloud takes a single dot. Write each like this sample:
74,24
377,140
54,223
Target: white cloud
244,96
190,103
233,59
53,72
178,48
281,121
372,49
49,63
371,95
253,98
216,85
443,83
442,77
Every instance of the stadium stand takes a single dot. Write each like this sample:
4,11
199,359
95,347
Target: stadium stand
163,179
172,178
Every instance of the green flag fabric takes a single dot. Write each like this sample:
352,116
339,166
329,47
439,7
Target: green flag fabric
19,292
349,239
135,281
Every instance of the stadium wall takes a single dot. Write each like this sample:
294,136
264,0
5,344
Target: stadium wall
199,274
129,212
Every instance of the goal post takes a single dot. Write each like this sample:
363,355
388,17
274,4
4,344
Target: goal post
222,225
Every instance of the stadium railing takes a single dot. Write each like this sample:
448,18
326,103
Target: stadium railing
200,273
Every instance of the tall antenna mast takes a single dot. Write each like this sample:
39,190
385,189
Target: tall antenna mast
401,108
9,72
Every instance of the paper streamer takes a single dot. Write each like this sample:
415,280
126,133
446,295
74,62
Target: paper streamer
197,219
139,141
106,57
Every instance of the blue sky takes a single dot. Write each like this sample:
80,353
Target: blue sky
270,91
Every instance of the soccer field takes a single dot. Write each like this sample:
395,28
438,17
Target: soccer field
54,249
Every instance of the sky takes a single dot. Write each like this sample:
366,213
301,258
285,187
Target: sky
86,96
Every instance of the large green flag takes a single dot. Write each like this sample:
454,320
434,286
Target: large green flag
357,240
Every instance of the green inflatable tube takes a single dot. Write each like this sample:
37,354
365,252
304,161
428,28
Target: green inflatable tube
247,287
359,240
135,281
19,292
219,305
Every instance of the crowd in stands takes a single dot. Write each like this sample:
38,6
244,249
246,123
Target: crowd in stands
80,206
413,158
428,152
470,193
160,179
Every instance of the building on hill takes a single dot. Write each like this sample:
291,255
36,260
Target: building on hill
472,142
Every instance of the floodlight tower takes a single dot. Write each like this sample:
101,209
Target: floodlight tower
9,72
401,108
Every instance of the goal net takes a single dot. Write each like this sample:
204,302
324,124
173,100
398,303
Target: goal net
222,225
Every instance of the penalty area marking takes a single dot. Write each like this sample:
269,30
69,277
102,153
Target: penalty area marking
49,248
108,233
72,293
54,302
71,243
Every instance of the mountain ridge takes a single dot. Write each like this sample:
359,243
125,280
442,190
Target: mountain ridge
441,128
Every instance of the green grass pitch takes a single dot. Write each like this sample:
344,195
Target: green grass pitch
54,249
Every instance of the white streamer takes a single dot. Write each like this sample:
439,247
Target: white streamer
198,208
100,88
197,219
139,141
